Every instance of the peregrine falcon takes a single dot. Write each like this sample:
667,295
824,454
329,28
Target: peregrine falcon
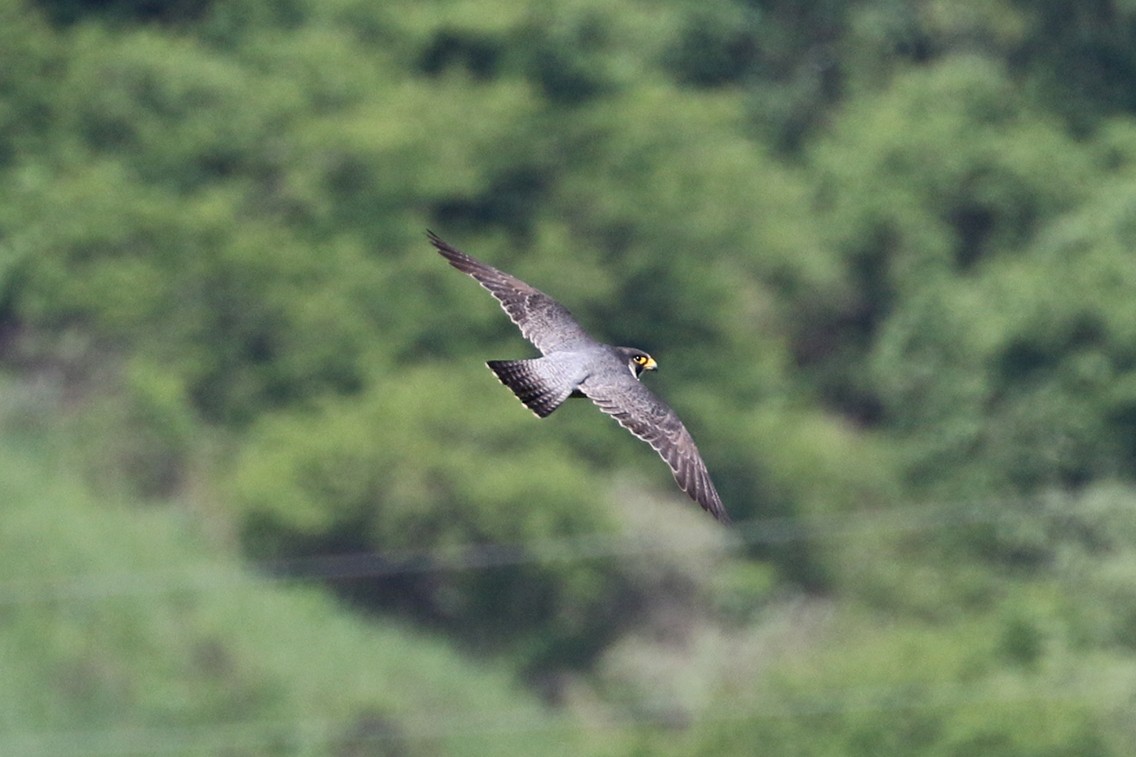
576,365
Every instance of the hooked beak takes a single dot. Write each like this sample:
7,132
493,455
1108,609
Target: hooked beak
650,365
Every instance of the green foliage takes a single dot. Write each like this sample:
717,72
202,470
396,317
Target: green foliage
716,45
881,250
905,688
360,477
1085,65
145,430
944,249
1028,386
138,11
125,629
182,282
28,56
175,113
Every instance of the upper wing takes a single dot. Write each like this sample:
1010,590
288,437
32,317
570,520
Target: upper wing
542,320
646,416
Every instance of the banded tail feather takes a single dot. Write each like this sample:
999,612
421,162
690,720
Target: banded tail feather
536,382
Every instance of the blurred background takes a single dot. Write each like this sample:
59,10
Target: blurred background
260,496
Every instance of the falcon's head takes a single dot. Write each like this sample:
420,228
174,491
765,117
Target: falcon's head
638,361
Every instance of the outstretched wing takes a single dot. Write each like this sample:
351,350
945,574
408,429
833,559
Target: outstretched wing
542,320
646,416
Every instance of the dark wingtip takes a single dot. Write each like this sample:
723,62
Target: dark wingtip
448,251
703,492
436,240
714,506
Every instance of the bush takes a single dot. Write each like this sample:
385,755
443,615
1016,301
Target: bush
439,491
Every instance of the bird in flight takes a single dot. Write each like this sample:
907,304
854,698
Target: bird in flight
573,364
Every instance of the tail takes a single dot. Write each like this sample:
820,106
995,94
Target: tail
536,382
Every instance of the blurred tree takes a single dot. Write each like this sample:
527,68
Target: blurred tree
918,196
29,59
125,11
1016,380
412,475
1081,58
881,250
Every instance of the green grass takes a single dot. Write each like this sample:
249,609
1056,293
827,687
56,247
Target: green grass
124,631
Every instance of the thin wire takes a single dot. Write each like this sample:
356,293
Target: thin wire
203,578
410,727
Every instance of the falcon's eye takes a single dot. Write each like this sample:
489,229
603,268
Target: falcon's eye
640,359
